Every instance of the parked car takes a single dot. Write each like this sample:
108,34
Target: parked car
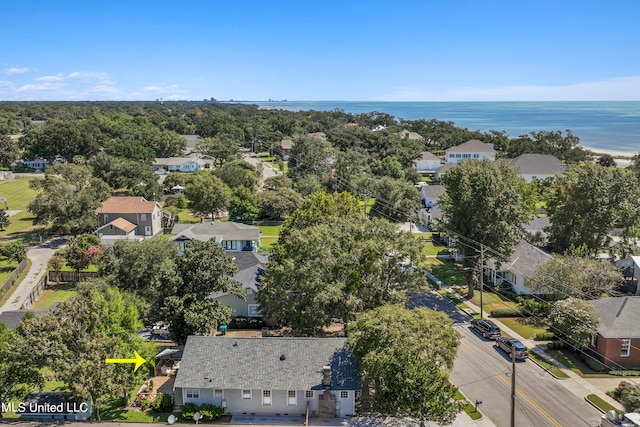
511,345
487,328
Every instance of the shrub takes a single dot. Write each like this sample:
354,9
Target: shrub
210,412
506,312
617,392
544,336
188,410
243,322
557,345
145,404
625,373
533,307
595,365
163,403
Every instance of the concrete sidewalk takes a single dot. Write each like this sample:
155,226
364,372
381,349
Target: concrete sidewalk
39,256
576,384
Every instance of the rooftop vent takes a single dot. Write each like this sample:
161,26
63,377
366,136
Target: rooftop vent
283,357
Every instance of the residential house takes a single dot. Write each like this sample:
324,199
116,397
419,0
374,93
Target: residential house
128,218
272,375
404,133
472,149
232,236
617,343
520,267
631,268
537,166
431,200
38,164
286,145
251,268
180,164
442,170
319,135
13,318
51,405
427,163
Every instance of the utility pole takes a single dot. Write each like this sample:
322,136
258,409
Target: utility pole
481,278
513,387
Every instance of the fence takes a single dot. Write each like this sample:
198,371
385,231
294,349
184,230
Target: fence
71,276
14,275
35,293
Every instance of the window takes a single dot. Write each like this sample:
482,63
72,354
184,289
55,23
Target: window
229,245
625,346
106,218
291,398
344,394
246,394
192,393
218,393
309,394
594,341
249,291
266,397
143,217
253,310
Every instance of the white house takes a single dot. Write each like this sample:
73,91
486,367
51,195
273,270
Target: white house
180,164
404,133
520,267
537,166
269,376
428,162
232,236
472,149
631,267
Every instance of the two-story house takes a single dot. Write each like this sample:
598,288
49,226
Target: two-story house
232,236
537,166
472,149
128,218
428,163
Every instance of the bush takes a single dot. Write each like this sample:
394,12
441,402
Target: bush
595,365
545,336
617,392
145,404
533,307
243,322
557,345
163,403
188,410
210,412
506,312
625,373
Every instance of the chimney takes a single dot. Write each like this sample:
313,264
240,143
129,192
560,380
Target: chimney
326,376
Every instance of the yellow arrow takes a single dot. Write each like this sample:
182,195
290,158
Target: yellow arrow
139,360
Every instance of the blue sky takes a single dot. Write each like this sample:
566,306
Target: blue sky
453,50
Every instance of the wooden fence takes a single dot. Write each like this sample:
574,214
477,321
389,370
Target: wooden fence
14,275
35,293
71,276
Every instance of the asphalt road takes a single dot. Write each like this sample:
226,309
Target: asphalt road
483,372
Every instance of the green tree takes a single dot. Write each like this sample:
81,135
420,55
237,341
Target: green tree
238,173
396,200
223,147
207,194
95,324
204,269
277,182
278,204
244,206
15,251
392,167
488,203
587,202
574,319
575,276
67,198
335,270
77,252
9,151
4,219
606,160
630,398
311,157
407,355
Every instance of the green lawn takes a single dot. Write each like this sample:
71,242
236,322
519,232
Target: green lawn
267,242
548,366
428,248
4,298
573,361
600,403
113,410
450,273
18,196
185,217
491,301
270,230
526,327
54,294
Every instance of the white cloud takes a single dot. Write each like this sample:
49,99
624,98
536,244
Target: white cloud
615,89
56,78
14,70
40,87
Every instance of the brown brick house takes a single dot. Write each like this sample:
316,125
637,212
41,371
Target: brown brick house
617,344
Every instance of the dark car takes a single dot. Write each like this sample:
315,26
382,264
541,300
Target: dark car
511,345
487,328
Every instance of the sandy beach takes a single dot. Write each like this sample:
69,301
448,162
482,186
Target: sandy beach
622,158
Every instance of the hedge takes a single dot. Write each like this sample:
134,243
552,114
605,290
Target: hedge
506,312
545,336
557,345
208,411
625,373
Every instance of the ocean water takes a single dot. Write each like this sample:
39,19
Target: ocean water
610,125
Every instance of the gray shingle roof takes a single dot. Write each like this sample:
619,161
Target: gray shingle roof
428,155
471,146
219,231
538,164
256,363
13,318
538,223
524,259
250,266
410,135
619,317
433,191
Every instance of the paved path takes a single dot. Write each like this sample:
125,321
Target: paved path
267,170
39,256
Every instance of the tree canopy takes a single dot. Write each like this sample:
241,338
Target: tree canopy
574,319
408,355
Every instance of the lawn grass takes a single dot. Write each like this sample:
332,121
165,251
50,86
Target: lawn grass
600,403
469,408
526,327
6,296
450,273
270,230
112,410
54,294
6,268
491,301
267,242
573,361
18,196
554,370
185,217
454,299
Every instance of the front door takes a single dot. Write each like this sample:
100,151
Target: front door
147,230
